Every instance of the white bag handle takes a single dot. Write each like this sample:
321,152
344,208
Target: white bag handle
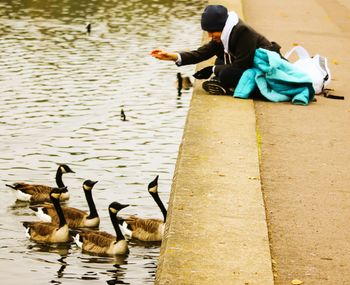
301,52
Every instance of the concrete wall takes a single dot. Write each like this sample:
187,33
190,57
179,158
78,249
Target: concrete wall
216,230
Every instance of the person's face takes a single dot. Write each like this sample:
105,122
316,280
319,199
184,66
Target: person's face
215,36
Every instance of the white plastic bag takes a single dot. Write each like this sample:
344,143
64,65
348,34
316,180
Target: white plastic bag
316,67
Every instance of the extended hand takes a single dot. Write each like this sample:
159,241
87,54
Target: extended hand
163,55
204,73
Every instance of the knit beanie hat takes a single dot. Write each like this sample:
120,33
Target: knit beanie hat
214,18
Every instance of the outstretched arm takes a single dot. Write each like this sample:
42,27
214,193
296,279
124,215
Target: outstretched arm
190,57
163,55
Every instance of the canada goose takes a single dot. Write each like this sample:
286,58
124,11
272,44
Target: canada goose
40,193
75,218
88,28
183,82
49,232
146,229
122,115
103,243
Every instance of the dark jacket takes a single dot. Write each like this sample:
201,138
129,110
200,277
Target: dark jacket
243,42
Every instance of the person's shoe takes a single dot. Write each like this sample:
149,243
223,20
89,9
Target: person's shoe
214,87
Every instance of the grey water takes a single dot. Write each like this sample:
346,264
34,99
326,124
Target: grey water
62,89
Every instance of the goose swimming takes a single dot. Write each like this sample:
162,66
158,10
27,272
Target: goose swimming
146,229
75,218
183,82
37,193
103,243
48,232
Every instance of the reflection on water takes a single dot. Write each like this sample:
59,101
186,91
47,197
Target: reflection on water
62,89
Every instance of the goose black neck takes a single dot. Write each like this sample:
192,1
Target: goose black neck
180,83
59,180
119,235
160,205
91,204
56,203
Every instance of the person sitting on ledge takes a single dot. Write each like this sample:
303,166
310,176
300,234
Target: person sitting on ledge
232,42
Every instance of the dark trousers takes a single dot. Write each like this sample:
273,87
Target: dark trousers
230,75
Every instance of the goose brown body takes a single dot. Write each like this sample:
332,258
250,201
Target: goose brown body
186,83
147,229
37,193
49,232
103,243
183,82
75,218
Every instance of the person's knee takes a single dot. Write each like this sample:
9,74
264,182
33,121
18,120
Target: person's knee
229,77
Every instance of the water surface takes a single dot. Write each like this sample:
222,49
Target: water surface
61,93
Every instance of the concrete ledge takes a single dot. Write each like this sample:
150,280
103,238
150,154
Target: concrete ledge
216,230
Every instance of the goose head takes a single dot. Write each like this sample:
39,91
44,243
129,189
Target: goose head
64,168
153,186
88,185
115,207
56,192
153,190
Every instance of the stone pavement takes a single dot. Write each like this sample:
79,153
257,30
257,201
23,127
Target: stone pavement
305,149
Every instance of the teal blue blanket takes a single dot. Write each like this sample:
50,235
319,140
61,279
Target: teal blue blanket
277,79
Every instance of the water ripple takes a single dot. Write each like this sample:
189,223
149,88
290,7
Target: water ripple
62,91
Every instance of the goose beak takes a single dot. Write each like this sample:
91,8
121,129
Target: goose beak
122,206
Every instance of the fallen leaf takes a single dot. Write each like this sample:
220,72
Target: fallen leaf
253,178
297,282
335,62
